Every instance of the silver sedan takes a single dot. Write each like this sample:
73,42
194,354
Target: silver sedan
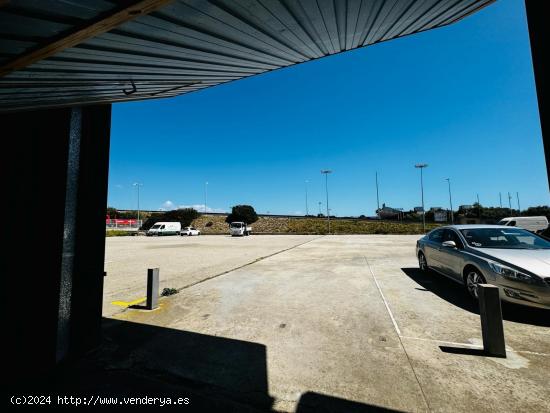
515,260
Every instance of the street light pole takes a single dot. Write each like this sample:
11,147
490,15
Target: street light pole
326,172
377,198
205,195
307,207
450,200
519,207
421,166
510,203
137,185
500,198
320,203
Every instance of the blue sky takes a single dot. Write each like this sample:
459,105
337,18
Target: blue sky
461,98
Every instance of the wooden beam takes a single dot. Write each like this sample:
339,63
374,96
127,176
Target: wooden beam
71,38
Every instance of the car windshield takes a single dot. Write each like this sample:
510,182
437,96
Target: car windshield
235,225
155,226
506,238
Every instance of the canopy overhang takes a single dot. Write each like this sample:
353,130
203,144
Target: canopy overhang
62,53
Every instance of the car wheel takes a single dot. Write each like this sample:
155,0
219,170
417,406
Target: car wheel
473,279
422,263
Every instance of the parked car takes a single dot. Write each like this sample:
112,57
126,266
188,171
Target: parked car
533,224
164,228
239,229
190,231
515,260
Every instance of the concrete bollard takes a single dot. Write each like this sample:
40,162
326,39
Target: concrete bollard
490,312
152,289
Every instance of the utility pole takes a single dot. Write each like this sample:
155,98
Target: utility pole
510,203
519,207
500,198
307,207
205,195
137,185
477,196
320,203
326,172
421,166
377,197
450,200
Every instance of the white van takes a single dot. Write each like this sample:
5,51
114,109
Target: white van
533,224
165,228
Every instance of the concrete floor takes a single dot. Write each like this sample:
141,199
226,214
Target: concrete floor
183,261
337,323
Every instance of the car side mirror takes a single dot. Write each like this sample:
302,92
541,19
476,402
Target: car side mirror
449,244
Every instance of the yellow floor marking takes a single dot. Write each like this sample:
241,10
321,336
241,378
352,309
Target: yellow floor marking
129,303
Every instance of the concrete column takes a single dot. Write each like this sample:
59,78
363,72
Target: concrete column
490,312
152,288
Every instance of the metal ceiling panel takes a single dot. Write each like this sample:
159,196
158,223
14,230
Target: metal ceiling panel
188,45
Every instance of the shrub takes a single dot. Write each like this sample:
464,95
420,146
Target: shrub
168,291
244,213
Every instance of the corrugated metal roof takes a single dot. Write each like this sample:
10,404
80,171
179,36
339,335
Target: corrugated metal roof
189,45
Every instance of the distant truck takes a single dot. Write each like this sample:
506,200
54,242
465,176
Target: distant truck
533,224
239,229
164,228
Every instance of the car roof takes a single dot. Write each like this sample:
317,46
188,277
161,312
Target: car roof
477,226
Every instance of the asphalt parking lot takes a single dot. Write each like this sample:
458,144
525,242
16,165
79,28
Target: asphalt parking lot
341,321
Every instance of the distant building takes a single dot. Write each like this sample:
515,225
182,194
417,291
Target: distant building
388,212
466,207
418,210
434,209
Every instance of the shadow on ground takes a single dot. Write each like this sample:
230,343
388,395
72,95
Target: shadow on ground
456,294
215,374
311,402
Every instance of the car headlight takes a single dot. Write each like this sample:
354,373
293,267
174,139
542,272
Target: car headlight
510,273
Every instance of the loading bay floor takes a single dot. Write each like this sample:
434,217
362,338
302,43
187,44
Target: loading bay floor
307,323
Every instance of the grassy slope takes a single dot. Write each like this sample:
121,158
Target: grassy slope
311,226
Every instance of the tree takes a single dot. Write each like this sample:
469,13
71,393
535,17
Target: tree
111,212
541,210
185,216
242,213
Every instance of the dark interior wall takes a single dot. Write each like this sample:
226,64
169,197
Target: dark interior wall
537,20
34,183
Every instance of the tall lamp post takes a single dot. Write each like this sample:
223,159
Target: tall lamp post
377,198
450,200
421,166
307,206
137,185
205,195
326,172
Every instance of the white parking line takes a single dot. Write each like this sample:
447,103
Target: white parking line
384,299
424,397
453,343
